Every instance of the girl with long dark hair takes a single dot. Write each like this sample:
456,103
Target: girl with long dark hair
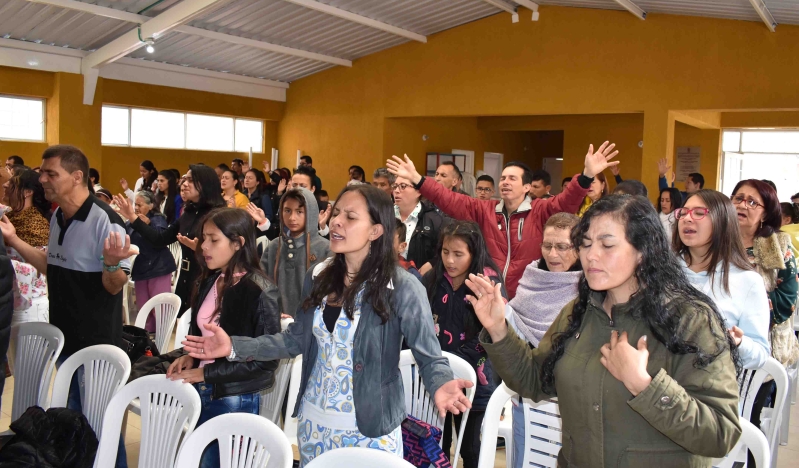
671,400
233,293
351,391
714,260
255,189
462,251
201,194
670,199
30,211
148,173
168,199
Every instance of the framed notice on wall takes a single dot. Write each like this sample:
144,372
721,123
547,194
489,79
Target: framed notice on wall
687,161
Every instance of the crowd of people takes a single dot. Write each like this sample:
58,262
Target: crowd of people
637,317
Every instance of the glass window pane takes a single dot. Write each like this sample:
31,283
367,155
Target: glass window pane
206,132
157,129
114,129
249,134
770,142
21,119
731,141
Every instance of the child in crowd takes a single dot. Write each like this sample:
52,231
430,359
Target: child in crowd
298,249
399,246
462,251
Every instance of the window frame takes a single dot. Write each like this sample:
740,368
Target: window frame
43,102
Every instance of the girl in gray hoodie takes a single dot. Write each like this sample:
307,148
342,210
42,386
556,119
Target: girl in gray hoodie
298,249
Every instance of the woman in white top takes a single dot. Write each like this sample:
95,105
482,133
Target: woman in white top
670,199
149,174
714,260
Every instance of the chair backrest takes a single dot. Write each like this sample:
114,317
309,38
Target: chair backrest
290,424
35,347
167,306
167,407
542,430
177,254
261,244
272,398
752,439
347,457
182,328
420,404
245,441
749,383
106,368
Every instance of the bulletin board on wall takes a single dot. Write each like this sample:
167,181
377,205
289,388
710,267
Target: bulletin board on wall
688,161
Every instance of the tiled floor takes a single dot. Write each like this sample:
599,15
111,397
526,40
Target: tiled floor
788,456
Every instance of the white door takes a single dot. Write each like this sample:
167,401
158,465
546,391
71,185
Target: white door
555,168
492,165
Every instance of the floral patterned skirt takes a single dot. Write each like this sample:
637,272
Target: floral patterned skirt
316,434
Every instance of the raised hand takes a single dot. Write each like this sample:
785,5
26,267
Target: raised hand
324,216
215,346
116,248
663,167
450,397
737,335
190,243
124,183
403,168
488,305
625,363
281,187
266,167
256,213
125,208
596,162
614,170
245,167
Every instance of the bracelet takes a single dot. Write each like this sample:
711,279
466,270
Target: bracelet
110,268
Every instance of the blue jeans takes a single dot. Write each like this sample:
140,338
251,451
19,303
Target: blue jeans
246,403
75,403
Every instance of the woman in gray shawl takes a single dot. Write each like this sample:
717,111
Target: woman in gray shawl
546,287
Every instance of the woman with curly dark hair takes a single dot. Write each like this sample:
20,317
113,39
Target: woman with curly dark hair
626,400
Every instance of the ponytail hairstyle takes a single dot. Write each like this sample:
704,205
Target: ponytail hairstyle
235,224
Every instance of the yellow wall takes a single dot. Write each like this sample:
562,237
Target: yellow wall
68,121
572,61
710,143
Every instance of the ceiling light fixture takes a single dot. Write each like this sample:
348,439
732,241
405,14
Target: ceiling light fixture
150,42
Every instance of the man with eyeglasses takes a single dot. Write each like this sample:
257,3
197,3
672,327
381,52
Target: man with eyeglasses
513,227
485,187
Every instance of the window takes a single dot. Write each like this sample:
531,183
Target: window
162,129
761,154
21,118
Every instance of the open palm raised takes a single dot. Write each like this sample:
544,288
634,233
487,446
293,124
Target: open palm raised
596,162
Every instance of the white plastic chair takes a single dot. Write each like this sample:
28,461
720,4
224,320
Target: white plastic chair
35,347
127,291
245,441
542,426
106,368
749,383
290,424
272,398
177,254
754,441
166,407
420,404
261,244
167,306
182,328
347,457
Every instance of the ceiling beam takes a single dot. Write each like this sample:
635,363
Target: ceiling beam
632,8
134,18
505,7
133,40
530,5
765,15
356,18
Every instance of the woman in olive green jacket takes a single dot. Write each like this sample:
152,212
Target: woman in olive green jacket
670,401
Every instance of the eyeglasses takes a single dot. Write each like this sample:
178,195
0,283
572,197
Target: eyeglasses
546,247
402,187
695,213
484,189
750,203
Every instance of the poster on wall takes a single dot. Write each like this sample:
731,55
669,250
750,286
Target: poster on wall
687,161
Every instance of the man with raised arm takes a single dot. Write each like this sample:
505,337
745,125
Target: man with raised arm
513,227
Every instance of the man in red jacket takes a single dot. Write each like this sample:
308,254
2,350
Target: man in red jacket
513,227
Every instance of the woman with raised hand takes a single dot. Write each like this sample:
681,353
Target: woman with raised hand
200,193
714,260
149,174
351,392
625,400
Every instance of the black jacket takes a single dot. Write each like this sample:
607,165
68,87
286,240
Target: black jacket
422,247
249,308
187,225
6,305
152,261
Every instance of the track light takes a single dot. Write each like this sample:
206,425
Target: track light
150,49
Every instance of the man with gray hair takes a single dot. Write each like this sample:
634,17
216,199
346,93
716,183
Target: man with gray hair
383,180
